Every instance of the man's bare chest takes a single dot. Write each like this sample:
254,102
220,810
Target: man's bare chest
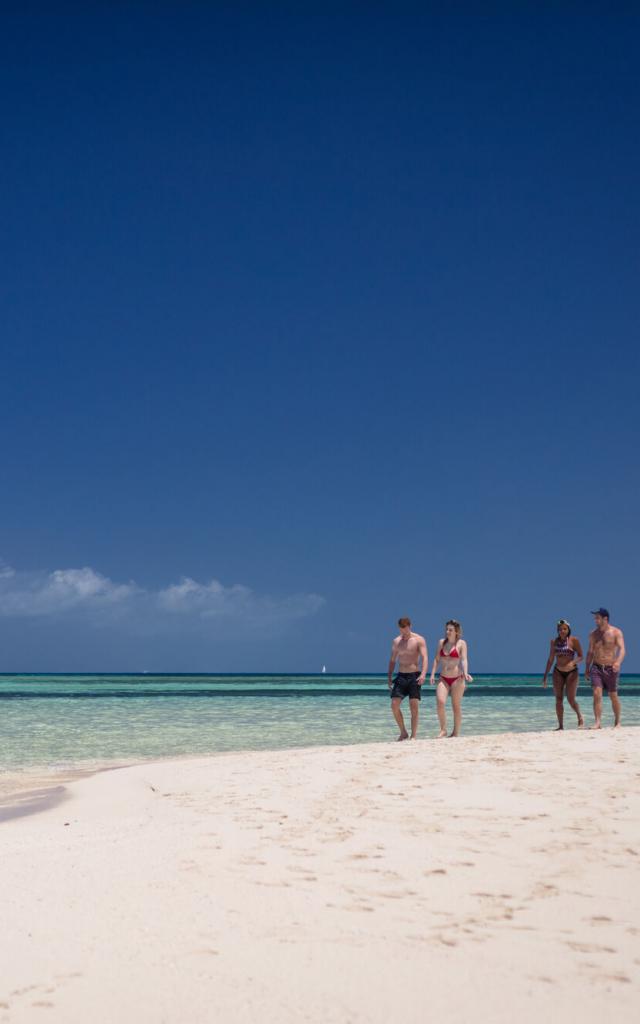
408,648
605,643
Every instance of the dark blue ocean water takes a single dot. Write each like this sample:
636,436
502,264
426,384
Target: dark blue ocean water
59,721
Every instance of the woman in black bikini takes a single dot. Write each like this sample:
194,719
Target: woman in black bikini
567,652
454,674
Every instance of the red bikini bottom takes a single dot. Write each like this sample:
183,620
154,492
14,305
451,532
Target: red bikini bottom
449,680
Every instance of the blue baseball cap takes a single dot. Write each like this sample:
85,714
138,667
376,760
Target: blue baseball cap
604,612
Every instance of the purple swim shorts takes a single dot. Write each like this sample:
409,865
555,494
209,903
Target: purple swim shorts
603,676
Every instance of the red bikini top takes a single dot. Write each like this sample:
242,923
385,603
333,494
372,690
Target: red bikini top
453,653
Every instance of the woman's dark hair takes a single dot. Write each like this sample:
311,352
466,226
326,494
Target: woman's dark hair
456,625
563,622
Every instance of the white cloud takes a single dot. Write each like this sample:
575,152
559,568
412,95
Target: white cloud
214,600
67,592
37,594
203,598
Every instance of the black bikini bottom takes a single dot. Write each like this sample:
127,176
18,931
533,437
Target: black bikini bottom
565,673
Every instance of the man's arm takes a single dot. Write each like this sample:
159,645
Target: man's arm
392,663
621,651
587,667
422,650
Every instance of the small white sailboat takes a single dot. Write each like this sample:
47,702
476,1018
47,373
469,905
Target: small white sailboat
324,669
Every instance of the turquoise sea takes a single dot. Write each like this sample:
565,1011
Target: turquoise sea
89,721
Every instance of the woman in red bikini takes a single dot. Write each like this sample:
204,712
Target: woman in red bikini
454,675
567,651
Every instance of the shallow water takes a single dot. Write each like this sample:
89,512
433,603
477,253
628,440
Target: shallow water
55,722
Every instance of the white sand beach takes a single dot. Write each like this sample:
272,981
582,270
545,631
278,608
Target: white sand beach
488,878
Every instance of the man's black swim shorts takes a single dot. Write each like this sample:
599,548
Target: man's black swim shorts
405,684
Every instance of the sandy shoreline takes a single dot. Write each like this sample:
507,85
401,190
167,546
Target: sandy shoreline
475,879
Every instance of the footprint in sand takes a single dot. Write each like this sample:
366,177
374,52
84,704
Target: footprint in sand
543,891
584,947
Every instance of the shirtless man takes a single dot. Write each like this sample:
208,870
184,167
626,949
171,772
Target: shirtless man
604,658
407,649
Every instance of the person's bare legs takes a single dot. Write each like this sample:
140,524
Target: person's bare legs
597,707
442,691
457,691
397,714
414,707
558,689
572,689
615,704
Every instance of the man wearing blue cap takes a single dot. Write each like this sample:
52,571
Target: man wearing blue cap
604,658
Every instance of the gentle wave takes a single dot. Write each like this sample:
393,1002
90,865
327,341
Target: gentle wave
274,693
75,720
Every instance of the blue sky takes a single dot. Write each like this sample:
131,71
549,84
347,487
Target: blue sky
311,320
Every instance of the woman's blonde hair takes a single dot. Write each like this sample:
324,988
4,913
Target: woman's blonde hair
456,625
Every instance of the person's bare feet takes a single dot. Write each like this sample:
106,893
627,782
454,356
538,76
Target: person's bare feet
581,723
616,725
453,734
596,726
559,728
441,735
403,736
